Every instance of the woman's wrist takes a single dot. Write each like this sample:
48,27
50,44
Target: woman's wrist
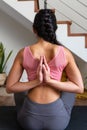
34,83
49,81
53,83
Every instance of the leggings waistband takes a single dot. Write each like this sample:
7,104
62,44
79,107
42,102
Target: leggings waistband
43,109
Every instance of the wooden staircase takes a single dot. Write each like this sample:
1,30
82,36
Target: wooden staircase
69,33
28,19
69,23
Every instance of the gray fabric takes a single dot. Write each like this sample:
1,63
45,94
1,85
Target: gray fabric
52,116
19,99
68,100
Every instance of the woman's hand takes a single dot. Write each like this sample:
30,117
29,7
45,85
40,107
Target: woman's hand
45,70
39,70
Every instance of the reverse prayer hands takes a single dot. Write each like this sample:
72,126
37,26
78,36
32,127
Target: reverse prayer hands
43,71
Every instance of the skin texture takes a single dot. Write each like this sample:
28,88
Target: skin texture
44,89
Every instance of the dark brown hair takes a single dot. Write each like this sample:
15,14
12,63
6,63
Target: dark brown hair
45,25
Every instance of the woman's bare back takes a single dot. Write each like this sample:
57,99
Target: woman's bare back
44,93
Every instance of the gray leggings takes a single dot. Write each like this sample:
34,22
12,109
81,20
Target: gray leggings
51,116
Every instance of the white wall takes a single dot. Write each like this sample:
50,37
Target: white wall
23,7
14,36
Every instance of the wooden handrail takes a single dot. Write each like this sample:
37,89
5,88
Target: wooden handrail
37,6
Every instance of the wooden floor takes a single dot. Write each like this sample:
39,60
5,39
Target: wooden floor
81,99
81,102
5,98
8,99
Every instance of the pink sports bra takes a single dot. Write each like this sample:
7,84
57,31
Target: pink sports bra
57,64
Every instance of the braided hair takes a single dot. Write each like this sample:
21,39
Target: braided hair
45,25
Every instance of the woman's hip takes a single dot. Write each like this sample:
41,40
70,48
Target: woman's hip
55,108
52,115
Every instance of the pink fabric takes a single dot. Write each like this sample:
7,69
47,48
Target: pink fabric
57,64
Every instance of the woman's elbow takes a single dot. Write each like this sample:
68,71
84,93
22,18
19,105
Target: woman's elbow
81,90
8,90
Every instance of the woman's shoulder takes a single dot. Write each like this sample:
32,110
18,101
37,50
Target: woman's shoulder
67,51
21,51
19,54
69,54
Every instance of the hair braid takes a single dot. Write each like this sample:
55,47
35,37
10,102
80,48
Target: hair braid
45,25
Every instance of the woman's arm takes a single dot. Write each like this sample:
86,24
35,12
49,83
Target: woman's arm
74,84
13,83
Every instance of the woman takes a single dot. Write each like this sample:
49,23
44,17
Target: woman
49,101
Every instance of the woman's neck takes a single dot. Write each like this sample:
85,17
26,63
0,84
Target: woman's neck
42,42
